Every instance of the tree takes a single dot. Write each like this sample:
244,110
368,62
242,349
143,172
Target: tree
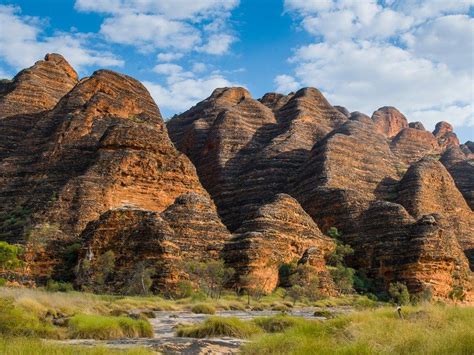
342,275
254,286
9,256
93,274
210,276
399,293
140,280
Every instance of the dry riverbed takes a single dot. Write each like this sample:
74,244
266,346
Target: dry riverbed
165,340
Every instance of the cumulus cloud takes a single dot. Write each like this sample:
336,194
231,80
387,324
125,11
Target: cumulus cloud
181,93
415,55
169,56
286,83
218,44
181,25
175,9
24,43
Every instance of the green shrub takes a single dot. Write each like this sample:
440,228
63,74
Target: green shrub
3,281
9,256
15,321
184,289
203,308
108,327
399,293
219,326
323,313
59,286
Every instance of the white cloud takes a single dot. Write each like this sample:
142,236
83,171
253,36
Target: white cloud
169,56
175,9
218,44
180,95
458,116
286,83
447,39
24,43
153,31
415,55
199,67
177,24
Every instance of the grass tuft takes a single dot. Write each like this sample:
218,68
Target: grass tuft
108,327
219,326
203,308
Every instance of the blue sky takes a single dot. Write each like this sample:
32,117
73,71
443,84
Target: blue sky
415,55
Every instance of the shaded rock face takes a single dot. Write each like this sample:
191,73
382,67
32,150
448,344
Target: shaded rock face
423,253
189,229
426,188
389,121
246,150
134,237
279,232
417,125
461,168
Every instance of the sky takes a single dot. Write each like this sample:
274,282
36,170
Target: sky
416,55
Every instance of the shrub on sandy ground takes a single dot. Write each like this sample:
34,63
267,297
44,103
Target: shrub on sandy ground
108,327
33,346
203,308
218,327
424,330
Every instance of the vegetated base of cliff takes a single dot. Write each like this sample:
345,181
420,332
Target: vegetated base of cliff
353,324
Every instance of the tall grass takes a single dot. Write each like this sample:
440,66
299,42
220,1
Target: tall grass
424,330
219,326
108,327
34,346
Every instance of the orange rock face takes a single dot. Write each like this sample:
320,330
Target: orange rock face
90,164
389,121
278,232
38,88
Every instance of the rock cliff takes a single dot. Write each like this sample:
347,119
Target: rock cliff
90,165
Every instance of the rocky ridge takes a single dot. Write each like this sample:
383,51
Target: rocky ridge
90,165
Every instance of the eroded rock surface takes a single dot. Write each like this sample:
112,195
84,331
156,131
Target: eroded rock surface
279,232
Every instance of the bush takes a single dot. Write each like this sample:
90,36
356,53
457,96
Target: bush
108,327
184,289
15,321
59,286
3,281
399,293
211,276
9,256
276,324
219,326
203,308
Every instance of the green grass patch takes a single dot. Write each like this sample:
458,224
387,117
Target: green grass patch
424,330
203,308
16,321
34,346
277,323
219,326
108,327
